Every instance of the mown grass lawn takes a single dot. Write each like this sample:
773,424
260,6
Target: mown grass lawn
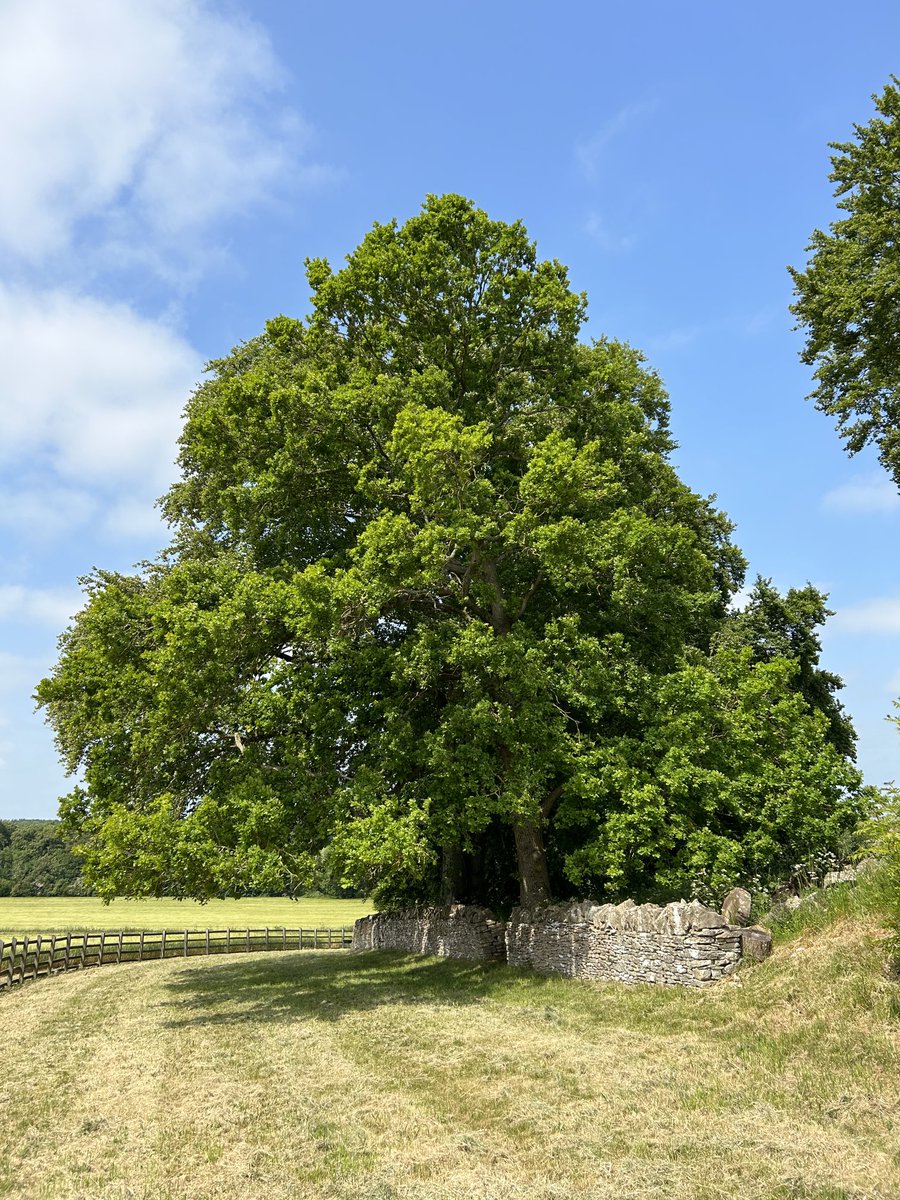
383,1077
57,914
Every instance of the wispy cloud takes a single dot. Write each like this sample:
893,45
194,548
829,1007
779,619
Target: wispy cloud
38,606
761,321
589,154
866,495
44,513
879,615
599,231
673,339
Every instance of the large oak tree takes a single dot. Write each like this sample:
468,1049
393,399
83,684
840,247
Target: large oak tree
436,603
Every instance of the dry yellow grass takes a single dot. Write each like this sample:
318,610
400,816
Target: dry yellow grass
377,1077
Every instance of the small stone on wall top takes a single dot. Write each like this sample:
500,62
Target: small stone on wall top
736,907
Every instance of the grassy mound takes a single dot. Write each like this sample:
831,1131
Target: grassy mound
384,1077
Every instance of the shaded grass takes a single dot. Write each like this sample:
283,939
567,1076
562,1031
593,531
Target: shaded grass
386,1077
58,914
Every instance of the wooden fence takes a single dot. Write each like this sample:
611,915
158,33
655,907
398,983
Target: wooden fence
31,957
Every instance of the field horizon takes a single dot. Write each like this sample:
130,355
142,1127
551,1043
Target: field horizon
28,915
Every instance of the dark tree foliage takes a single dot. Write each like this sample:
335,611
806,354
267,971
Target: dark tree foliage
776,626
34,861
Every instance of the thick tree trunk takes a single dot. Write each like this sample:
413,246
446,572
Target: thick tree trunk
451,873
534,878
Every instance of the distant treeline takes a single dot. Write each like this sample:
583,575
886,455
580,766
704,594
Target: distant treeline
35,862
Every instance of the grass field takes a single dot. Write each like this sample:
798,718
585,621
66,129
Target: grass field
57,914
381,1077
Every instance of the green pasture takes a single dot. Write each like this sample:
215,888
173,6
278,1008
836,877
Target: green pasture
58,914
316,1076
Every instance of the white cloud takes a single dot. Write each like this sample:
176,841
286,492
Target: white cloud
44,512
867,494
741,598
880,615
92,390
37,606
589,154
150,118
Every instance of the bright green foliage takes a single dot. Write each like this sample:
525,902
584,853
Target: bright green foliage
882,839
847,298
431,577
729,776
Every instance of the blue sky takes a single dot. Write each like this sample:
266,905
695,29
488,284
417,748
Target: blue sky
167,165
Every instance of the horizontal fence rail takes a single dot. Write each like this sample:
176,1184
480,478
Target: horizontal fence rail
27,958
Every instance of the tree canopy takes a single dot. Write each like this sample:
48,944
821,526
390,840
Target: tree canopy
847,295
438,608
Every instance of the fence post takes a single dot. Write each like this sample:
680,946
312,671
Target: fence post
162,944
283,938
185,944
102,949
52,954
207,943
267,937
227,941
119,947
141,947
68,949
248,939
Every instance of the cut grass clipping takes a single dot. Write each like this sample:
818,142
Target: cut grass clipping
384,1077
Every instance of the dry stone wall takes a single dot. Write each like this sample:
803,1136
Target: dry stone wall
457,931
686,944
683,943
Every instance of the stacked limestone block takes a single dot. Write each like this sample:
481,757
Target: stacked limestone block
457,931
685,944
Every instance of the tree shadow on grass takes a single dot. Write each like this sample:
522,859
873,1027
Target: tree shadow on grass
329,986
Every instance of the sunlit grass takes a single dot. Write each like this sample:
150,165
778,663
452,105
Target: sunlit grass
384,1077
58,914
